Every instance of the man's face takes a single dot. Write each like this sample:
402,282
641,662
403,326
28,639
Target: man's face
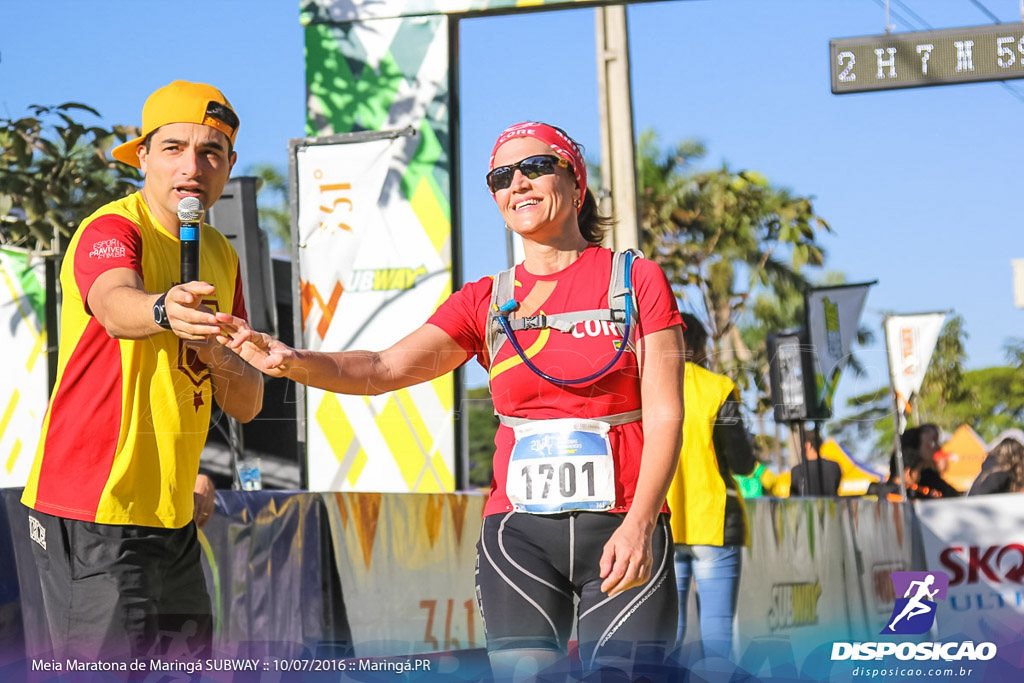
184,160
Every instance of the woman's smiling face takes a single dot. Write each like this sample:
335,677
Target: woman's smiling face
538,207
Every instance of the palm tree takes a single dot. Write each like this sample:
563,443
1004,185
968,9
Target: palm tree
733,237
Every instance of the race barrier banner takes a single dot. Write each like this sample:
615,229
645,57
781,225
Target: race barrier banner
23,383
793,592
979,543
407,567
347,576
272,581
879,541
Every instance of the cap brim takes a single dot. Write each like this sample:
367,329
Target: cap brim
126,153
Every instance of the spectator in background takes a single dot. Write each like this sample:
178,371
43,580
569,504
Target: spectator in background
1002,471
708,520
925,441
816,476
911,475
760,482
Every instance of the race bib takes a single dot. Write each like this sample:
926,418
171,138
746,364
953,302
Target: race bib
561,465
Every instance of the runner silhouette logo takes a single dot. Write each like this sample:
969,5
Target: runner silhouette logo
914,613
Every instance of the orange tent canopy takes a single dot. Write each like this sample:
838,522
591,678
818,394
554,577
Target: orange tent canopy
965,452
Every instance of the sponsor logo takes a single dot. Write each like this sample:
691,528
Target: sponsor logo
794,604
947,652
36,531
881,584
594,328
914,613
385,279
112,248
993,564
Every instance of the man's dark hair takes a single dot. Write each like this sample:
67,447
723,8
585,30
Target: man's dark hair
911,461
911,439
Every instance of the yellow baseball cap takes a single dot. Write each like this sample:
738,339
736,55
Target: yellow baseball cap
181,102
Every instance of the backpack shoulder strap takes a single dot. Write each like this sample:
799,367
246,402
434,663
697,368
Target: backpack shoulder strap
502,290
618,288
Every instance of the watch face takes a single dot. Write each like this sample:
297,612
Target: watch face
160,314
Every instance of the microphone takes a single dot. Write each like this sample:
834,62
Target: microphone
190,217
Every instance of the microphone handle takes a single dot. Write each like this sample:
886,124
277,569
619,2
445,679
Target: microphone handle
189,236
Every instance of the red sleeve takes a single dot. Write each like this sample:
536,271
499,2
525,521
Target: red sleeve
463,315
238,305
106,243
655,300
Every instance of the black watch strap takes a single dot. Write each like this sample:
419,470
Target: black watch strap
160,312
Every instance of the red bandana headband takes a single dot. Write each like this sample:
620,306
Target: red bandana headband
559,143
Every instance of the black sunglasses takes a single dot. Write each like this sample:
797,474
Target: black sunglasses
531,167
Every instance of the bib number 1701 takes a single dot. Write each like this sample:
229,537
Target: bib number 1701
539,479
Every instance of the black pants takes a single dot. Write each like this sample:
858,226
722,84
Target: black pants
115,592
532,568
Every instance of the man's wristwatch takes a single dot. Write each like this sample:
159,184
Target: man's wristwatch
160,312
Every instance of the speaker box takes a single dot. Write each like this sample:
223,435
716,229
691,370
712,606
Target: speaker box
236,216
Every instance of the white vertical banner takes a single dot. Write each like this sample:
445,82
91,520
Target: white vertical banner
833,316
910,341
370,272
23,383
1018,282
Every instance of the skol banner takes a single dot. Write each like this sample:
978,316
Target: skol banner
978,542
833,316
406,564
910,342
23,383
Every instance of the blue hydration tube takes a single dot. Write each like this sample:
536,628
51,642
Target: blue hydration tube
512,304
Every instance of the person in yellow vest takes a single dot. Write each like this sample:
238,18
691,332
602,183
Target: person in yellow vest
708,520
113,487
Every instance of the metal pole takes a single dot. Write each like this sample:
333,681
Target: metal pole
615,104
896,411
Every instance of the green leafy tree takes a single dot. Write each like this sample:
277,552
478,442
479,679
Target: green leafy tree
272,201
483,425
990,400
732,235
55,171
944,384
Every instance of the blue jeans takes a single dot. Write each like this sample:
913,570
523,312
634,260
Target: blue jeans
717,570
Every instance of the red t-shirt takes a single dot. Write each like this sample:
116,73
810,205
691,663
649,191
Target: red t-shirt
519,392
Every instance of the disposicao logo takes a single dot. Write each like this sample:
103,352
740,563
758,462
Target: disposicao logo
914,614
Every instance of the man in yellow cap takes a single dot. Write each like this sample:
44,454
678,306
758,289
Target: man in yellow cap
111,489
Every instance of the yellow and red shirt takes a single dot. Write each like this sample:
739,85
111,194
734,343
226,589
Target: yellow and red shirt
128,418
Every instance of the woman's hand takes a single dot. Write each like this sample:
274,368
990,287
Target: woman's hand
258,349
627,559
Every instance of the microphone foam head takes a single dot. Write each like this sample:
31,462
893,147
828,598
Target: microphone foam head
190,209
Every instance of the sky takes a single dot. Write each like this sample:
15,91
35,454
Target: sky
921,186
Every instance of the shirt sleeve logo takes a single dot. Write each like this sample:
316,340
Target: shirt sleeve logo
112,248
